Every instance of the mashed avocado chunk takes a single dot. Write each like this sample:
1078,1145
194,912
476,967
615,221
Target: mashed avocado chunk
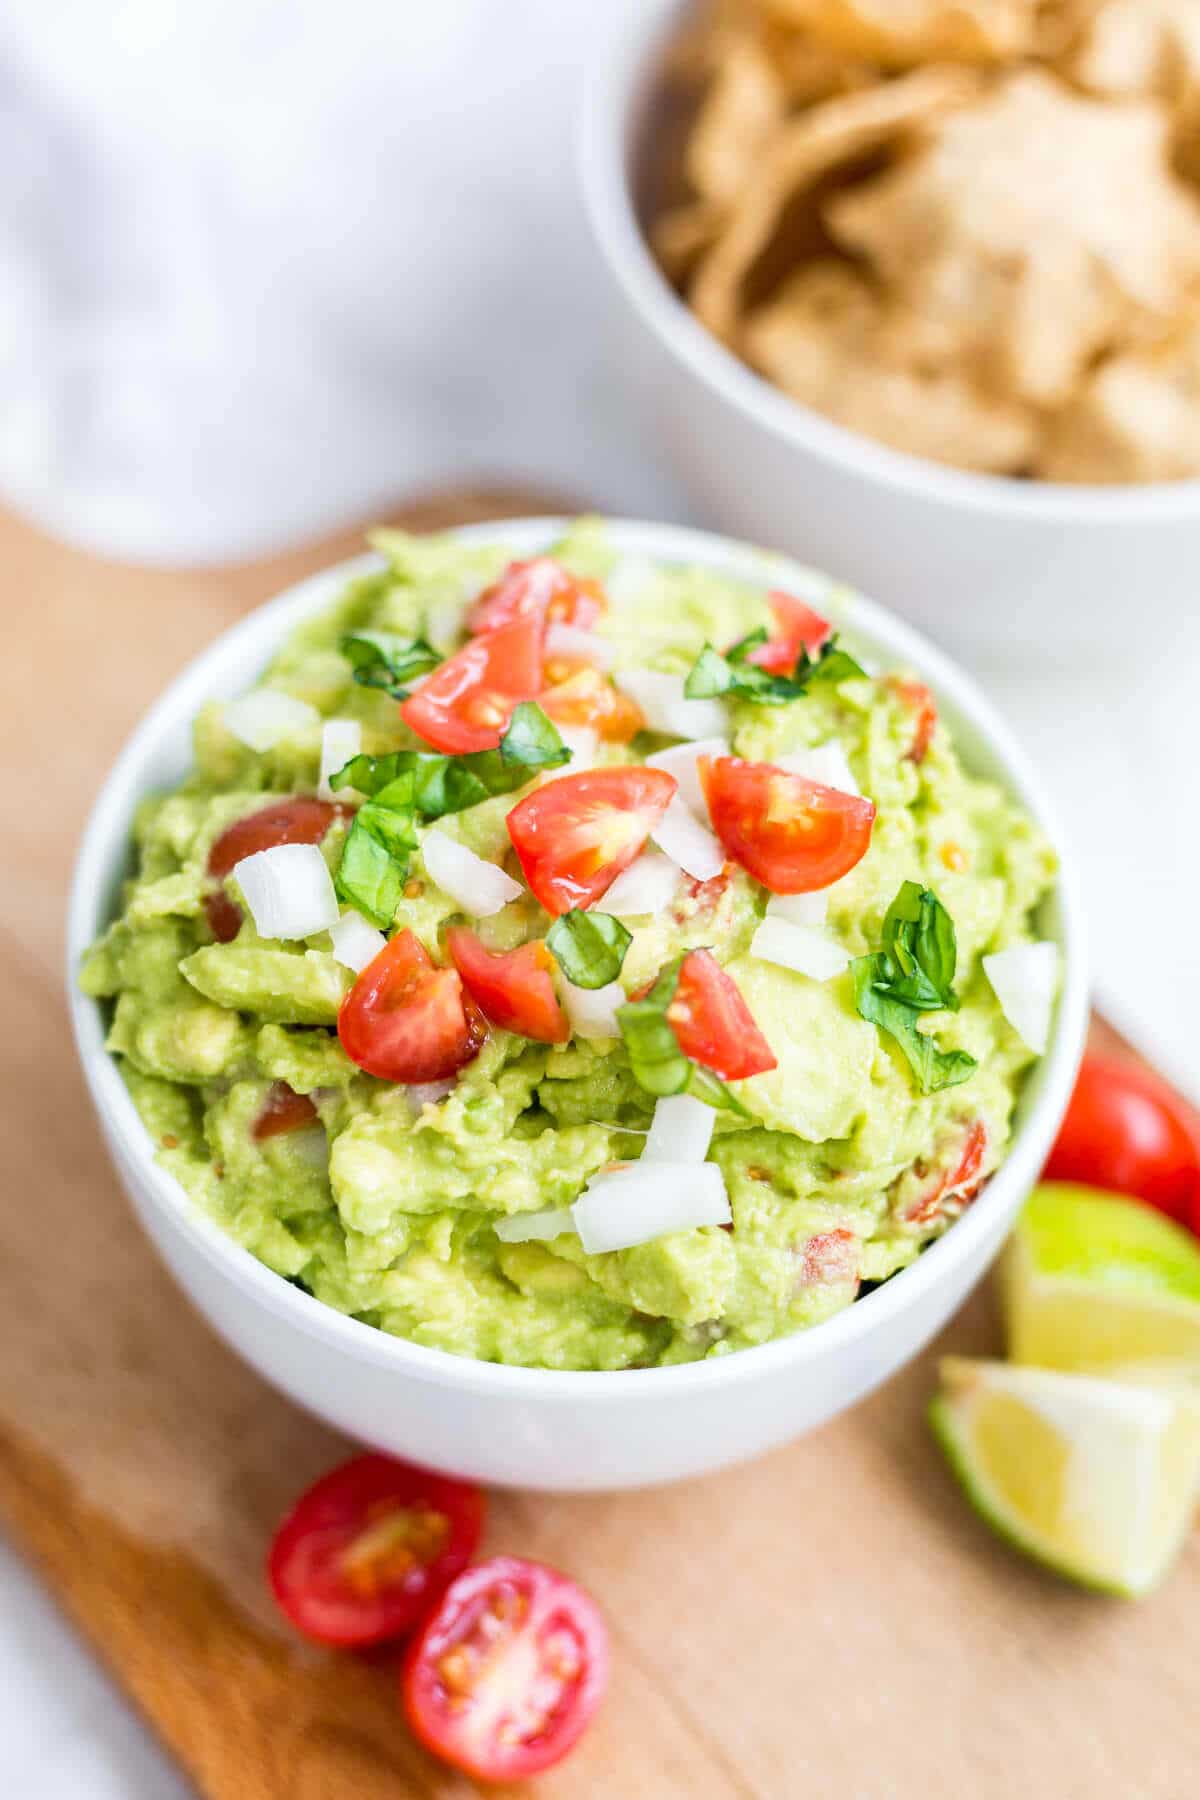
887,1072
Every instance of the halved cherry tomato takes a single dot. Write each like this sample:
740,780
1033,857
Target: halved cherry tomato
508,1672
924,1195
922,705
514,990
298,821
586,697
468,700
574,835
407,1020
283,1110
368,1550
712,1023
539,588
1127,1130
797,628
793,835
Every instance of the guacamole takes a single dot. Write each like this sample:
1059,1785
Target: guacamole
893,1068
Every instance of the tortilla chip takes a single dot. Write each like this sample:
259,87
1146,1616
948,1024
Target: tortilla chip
744,104
901,34
799,154
1029,233
681,235
1137,48
1136,418
829,341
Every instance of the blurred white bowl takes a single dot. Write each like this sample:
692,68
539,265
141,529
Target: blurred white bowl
530,1427
993,566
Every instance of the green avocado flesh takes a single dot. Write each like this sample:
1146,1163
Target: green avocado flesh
387,1212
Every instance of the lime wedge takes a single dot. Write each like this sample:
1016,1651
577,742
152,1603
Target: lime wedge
1098,1283
1097,1480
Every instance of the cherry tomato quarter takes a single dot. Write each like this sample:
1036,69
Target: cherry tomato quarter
514,990
793,835
467,701
301,820
407,1020
573,836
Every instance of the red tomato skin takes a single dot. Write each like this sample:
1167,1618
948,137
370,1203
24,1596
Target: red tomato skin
284,1110
573,836
406,1020
793,835
797,627
537,588
586,697
921,703
712,1023
445,1729
513,990
466,703
325,1522
301,820
1128,1131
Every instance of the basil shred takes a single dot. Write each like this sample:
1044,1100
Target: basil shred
713,675
411,786
589,947
655,1057
381,659
911,974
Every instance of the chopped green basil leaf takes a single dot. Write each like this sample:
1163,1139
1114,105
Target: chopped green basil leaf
712,674
933,1068
447,784
531,740
374,865
658,1064
381,659
589,947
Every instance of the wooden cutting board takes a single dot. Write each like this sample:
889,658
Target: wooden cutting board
830,1621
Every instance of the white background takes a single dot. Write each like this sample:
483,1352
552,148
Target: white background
267,263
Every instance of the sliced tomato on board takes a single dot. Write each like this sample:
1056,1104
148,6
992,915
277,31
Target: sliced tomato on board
1128,1131
573,836
407,1020
467,701
301,820
712,1023
538,588
923,707
514,989
283,1110
586,697
793,835
366,1553
797,628
508,1672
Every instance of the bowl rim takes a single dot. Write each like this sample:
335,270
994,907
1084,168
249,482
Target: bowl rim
235,657
617,72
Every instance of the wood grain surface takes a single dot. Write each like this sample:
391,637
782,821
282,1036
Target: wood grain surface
830,1621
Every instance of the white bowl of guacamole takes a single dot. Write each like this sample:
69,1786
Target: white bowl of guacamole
494,1171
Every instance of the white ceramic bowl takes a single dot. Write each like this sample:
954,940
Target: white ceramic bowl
530,1427
991,565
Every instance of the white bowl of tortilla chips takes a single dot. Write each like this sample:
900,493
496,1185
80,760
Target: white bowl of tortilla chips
935,318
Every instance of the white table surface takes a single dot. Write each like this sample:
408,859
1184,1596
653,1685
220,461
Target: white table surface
485,266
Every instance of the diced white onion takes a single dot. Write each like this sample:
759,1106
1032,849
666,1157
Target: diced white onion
265,717
689,843
593,1011
628,579
479,887
680,1131
799,947
420,1094
680,761
667,709
355,943
443,623
647,886
576,644
289,891
801,909
340,740
825,763
583,743
535,1227
647,1200
1025,981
